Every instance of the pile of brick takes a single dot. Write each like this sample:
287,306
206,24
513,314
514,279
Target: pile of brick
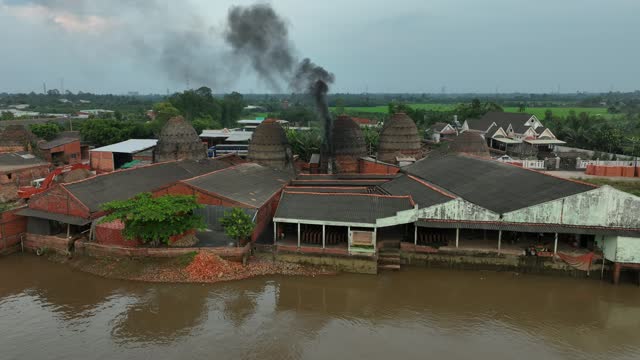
207,266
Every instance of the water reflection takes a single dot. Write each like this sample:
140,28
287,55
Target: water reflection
50,307
162,314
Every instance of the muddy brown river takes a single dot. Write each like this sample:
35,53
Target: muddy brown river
48,311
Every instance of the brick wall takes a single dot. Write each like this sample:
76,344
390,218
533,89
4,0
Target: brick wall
72,152
58,200
97,250
201,197
33,242
111,234
347,164
101,161
23,177
265,215
11,149
12,227
263,218
372,167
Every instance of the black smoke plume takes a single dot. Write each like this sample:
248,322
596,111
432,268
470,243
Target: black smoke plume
183,43
261,36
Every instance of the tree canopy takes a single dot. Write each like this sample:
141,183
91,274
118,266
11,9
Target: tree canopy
100,132
154,220
47,131
237,224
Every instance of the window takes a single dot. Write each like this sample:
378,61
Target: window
73,156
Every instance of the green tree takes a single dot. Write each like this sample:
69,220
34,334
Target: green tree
164,111
205,122
305,143
237,225
548,115
340,109
196,103
371,139
47,131
100,132
522,107
232,106
154,220
6,115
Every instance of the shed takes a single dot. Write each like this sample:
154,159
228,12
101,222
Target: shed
112,157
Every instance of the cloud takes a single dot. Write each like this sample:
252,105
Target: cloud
63,19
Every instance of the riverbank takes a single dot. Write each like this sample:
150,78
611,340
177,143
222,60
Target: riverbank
193,267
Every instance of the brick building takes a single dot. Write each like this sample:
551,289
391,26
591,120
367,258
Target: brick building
20,168
64,149
250,186
77,204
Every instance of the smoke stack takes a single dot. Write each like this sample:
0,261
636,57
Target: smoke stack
319,92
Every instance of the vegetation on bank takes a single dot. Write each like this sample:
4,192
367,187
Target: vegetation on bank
154,220
237,225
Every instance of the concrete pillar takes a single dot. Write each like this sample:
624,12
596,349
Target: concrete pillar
349,238
499,241
616,272
375,239
68,231
457,237
275,233
555,245
415,235
298,234
323,235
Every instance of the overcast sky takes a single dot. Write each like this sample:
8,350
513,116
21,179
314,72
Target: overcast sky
376,45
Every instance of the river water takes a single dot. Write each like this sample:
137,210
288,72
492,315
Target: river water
49,311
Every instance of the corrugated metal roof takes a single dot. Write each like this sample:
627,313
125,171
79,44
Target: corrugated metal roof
124,184
508,140
222,133
344,208
240,136
249,183
545,142
495,186
130,146
67,219
422,195
65,139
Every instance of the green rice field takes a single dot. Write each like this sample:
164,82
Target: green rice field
538,112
